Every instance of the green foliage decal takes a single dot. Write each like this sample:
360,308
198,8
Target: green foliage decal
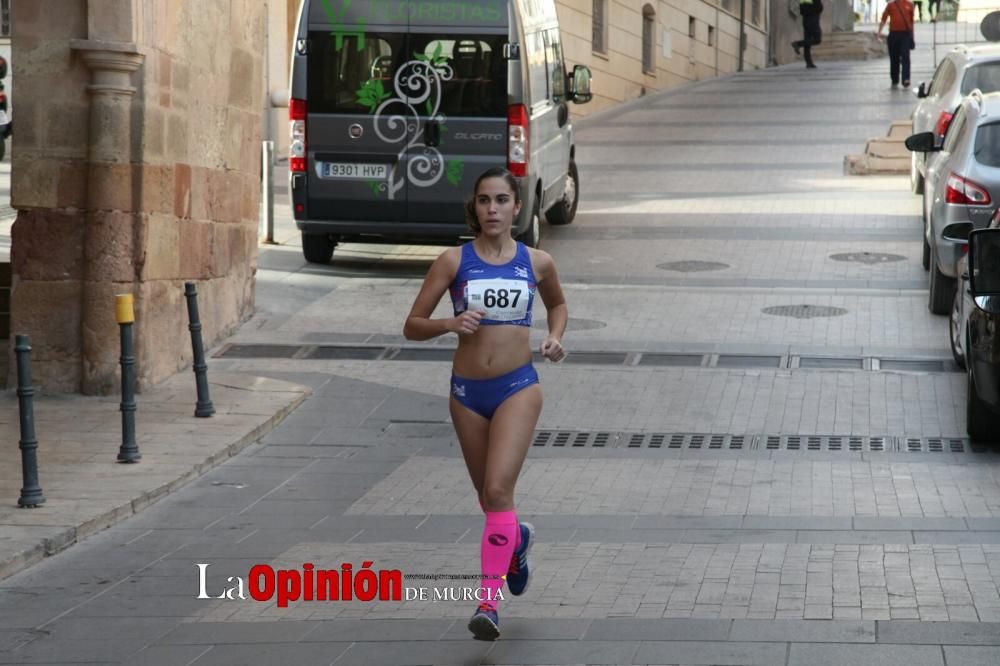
337,21
371,94
436,59
454,170
374,185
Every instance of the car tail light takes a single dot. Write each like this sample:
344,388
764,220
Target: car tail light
963,191
297,146
517,140
943,121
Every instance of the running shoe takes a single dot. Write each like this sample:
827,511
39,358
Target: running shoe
485,624
519,572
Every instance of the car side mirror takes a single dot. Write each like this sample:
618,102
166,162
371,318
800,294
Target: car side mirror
984,268
921,90
924,142
579,85
958,232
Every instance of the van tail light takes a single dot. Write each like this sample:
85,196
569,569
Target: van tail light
297,145
960,190
517,140
943,121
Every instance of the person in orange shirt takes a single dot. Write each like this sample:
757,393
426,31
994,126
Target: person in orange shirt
899,14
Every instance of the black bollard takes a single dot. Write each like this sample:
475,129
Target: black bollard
129,451
31,493
204,406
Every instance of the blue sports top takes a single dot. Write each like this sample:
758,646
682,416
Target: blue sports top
505,292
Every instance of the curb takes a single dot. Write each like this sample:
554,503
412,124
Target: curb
65,537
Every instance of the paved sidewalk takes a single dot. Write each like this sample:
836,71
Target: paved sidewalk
86,490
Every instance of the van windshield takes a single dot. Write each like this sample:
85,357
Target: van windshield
356,73
985,76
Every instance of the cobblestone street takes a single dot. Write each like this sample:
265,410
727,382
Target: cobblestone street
755,453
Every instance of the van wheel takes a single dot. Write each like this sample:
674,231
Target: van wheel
942,290
564,211
317,248
532,235
980,421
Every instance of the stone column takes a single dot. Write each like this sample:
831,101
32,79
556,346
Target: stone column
110,246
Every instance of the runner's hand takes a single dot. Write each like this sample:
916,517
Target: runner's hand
552,349
466,323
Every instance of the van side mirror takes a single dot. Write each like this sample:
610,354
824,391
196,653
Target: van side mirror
921,91
924,142
984,267
579,85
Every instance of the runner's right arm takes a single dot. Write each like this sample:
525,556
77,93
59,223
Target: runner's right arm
419,325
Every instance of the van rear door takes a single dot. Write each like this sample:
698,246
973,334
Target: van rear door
461,115
356,154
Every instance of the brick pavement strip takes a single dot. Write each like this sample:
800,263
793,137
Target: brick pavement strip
85,488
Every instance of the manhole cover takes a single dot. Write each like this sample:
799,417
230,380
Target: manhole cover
694,266
804,311
573,324
867,257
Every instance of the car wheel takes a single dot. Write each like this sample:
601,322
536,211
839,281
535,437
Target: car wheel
980,421
927,246
317,248
942,290
916,179
532,235
564,211
956,330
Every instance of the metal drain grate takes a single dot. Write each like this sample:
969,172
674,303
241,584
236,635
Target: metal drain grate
687,360
868,257
804,311
697,441
694,266
741,361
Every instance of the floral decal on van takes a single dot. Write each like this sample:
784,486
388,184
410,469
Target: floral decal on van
416,85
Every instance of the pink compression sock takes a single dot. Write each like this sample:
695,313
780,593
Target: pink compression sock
500,537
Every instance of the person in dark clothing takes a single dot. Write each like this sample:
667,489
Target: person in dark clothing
899,15
811,32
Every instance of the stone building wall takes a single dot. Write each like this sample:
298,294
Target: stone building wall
178,202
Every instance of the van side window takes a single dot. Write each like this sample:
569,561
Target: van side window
538,76
557,70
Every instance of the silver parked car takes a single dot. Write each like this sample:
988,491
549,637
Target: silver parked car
961,70
963,183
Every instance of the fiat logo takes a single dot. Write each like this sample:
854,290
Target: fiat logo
355,131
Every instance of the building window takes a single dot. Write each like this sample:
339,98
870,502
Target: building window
599,38
691,27
711,35
648,40
4,18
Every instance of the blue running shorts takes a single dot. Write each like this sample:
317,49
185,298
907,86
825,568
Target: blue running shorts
483,396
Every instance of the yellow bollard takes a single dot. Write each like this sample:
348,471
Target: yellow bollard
124,308
125,313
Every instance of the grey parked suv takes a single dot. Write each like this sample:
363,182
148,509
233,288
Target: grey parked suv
963,184
961,71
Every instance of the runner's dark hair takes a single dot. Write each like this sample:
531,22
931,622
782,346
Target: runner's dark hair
470,204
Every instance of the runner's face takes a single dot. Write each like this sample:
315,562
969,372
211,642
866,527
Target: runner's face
495,207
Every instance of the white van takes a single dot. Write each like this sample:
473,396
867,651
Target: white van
397,106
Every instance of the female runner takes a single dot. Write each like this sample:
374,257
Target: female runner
495,396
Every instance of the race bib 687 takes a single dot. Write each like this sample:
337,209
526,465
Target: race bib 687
501,300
